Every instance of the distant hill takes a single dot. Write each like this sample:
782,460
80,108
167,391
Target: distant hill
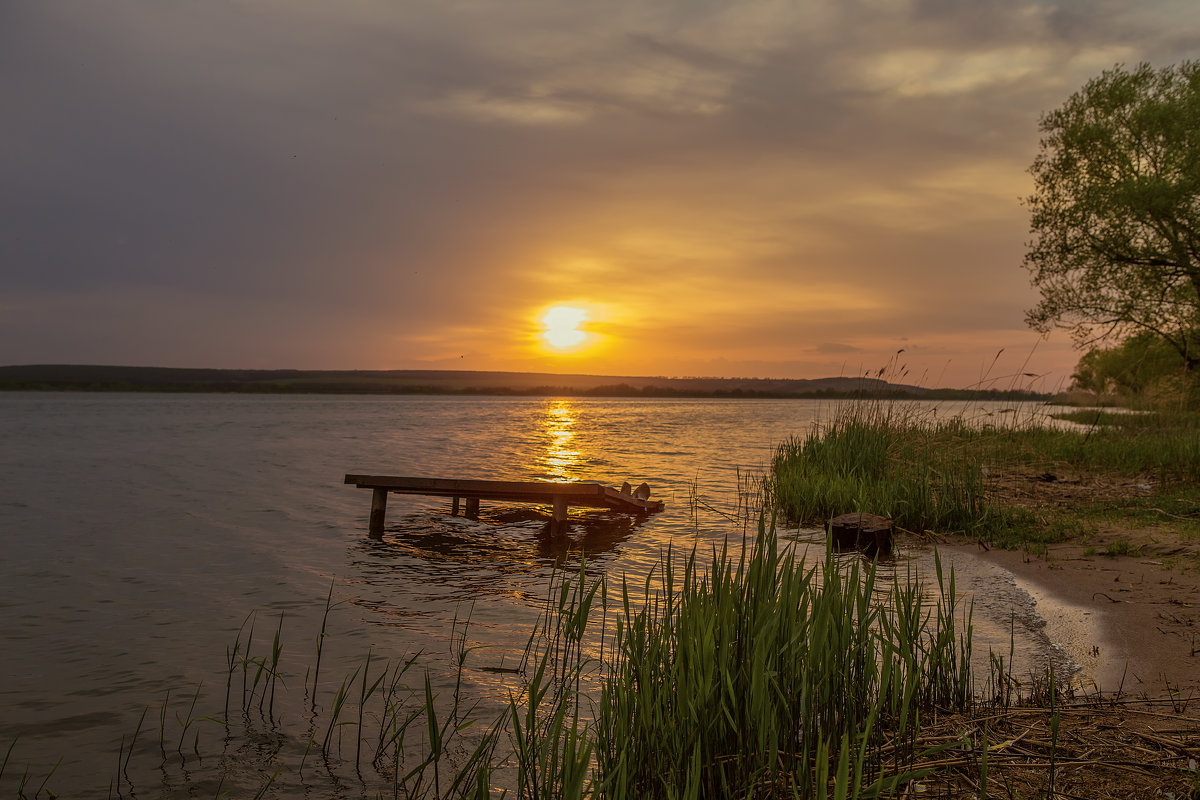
76,377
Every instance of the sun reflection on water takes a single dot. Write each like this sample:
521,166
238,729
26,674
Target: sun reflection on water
560,460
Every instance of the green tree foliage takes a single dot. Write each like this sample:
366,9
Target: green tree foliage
1141,363
1116,210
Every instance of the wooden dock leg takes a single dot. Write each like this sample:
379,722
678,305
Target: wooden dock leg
454,507
472,508
558,525
378,511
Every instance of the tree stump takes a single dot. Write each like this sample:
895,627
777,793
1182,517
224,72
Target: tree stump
869,533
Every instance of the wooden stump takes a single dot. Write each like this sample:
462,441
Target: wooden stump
870,533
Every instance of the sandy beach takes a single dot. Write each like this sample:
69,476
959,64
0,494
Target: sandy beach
1132,621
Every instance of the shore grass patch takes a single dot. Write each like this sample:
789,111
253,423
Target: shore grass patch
1027,481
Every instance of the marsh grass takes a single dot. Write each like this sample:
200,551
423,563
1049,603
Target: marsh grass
760,676
1163,448
945,475
922,473
753,675
744,673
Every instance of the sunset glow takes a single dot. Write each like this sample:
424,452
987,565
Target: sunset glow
605,189
561,327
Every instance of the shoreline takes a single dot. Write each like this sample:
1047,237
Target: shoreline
470,383
1131,622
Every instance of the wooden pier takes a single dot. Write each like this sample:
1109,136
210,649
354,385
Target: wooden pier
559,496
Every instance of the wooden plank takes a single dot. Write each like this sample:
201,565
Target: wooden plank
588,495
447,486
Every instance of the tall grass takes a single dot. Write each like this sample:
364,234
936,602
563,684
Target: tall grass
1162,446
927,473
917,472
755,676
761,676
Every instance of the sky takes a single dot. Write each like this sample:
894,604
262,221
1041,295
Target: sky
757,188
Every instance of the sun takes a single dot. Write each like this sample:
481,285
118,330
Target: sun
560,327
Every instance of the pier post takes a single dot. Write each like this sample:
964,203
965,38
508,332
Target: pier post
558,524
454,507
378,511
472,508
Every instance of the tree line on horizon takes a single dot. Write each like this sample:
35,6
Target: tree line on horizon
119,380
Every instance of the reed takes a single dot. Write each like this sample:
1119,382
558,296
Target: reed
755,676
7,756
186,722
393,720
335,712
262,791
365,693
921,476
763,677
232,659
245,661
747,674
42,787
321,643
945,476
128,753
276,655
547,727
162,722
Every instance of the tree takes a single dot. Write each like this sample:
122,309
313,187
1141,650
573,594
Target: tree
1141,364
1116,210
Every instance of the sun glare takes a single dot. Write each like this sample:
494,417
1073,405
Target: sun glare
561,327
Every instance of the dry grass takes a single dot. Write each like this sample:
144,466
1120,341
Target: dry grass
1101,749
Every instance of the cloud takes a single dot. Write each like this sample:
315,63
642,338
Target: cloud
748,177
832,348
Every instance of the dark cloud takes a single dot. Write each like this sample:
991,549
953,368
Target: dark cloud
303,174
830,348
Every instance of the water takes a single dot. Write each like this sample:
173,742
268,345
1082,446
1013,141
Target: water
141,530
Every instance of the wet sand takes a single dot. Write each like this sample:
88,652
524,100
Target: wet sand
1131,622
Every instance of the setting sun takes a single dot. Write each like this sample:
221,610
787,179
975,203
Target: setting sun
561,326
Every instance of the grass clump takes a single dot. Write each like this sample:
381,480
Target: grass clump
753,675
761,677
1120,547
1161,448
922,476
1001,484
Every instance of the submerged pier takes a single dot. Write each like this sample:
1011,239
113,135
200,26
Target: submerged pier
559,496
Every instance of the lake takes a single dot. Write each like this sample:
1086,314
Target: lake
143,534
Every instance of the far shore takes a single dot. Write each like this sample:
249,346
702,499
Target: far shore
93,378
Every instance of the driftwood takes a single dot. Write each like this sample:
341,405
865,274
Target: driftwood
870,533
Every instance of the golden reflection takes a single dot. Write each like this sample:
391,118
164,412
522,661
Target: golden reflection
560,461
